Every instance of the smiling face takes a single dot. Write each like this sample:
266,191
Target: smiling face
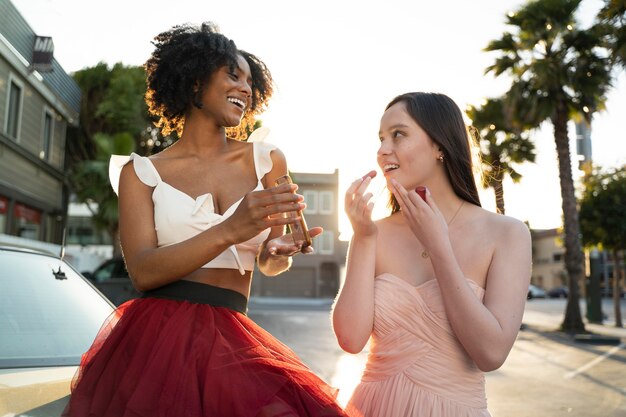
227,93
406,154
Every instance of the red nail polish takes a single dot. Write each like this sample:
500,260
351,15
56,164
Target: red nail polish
421,191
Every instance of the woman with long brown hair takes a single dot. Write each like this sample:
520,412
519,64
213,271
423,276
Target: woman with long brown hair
440,284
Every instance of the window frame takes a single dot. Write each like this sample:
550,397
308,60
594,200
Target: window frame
13,80
330,209
311,199
325,243
47,153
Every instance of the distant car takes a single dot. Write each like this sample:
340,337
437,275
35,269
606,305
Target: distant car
558,292
49,317
535,292
608,292
112,279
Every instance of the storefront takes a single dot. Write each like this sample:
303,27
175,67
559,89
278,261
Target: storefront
27,221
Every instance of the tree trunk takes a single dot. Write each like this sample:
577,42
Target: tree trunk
572,322
617,287
498,189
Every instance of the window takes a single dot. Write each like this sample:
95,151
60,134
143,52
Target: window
48,129
45,321
310,198
326,202
557,257
324,243
14,107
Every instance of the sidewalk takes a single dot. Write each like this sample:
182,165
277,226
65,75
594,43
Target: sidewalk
551,322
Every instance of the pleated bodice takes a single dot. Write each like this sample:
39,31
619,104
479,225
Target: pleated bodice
416,365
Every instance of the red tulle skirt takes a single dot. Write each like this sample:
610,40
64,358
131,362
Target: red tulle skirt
161,357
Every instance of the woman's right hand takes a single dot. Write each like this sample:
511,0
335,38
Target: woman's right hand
359,208
263,209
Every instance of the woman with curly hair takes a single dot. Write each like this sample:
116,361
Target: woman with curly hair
194,219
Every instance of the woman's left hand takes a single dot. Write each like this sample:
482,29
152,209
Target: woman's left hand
285,246
423,216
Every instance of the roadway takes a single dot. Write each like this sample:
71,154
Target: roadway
546,374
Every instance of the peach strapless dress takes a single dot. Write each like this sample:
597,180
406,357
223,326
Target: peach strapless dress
416,366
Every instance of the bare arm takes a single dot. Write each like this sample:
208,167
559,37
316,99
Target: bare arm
353,312
272,264
151,266
486,331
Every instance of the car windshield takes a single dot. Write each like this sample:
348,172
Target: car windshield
45,319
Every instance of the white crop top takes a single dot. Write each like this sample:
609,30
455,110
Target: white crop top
178,216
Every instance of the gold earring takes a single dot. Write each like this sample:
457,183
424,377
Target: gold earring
440,158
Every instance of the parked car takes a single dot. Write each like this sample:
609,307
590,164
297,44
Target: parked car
608,292
558,292
535,292
49,316
112,279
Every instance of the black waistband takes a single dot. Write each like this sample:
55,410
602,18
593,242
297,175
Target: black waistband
196,292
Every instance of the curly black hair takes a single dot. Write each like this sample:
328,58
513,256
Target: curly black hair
187,55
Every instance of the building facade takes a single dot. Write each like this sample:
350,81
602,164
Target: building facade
548,259
315,275
38,102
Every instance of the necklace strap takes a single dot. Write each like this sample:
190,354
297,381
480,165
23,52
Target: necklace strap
456,212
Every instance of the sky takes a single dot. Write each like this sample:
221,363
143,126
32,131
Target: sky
336,65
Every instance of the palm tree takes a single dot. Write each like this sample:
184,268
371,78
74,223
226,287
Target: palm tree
612,18
557,74
501,144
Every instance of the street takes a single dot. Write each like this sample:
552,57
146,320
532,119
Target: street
546,374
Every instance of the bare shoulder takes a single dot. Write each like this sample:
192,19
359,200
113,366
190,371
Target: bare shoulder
164,154
386,221
389,224
278,157
132,184
128,173
278,168
502,229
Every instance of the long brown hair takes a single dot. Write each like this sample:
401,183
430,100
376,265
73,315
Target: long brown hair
442,120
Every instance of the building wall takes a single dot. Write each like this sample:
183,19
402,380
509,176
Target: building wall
33,199
317,274
548,262
30,179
